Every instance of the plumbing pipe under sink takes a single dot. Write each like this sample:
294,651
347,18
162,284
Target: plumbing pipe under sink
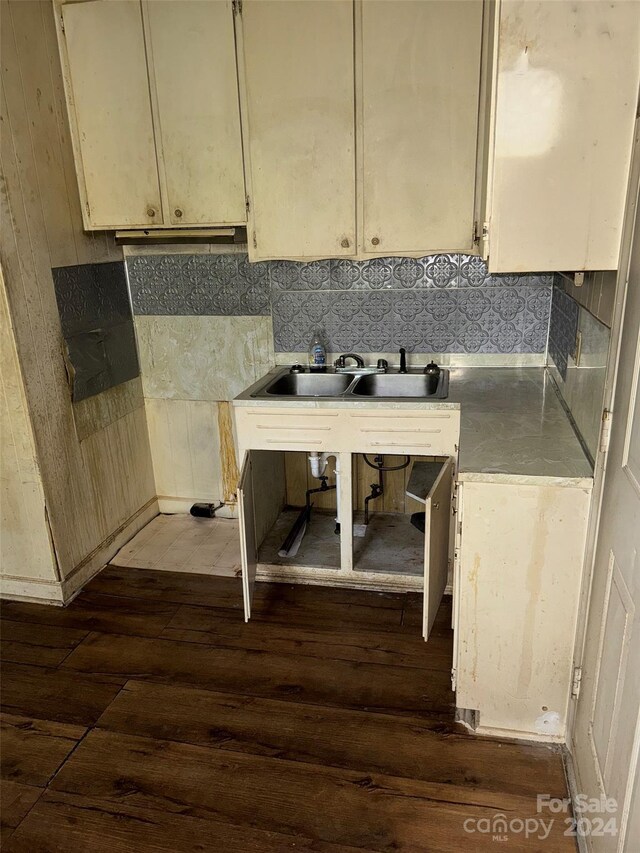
318,464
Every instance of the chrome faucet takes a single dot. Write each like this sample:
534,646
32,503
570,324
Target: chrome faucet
340,362
403,360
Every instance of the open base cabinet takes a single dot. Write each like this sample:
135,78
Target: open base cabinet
376,521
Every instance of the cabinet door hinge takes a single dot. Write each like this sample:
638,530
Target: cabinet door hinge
236,6
255,242
475,237
577,681
62,23
86,204
605,432
453,679
247,203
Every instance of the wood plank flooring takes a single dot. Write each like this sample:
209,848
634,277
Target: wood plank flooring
147,716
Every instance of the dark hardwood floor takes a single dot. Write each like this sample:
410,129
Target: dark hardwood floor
146,716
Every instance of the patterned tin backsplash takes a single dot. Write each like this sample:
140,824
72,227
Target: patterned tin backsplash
562,328
97,326
439,303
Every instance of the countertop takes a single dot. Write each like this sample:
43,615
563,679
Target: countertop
513,427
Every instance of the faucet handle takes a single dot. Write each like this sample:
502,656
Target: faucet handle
339,362
383,364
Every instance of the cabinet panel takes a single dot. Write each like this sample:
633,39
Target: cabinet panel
519,575
298,98
393,431
436,546
565,105
419,109
247,526
192,54
278,429
108,92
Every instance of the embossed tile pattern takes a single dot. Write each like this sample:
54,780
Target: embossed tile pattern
563,328
439,303
97,324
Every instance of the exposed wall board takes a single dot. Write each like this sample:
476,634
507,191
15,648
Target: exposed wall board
191,366
185,448
90,487
202,358
581,384
596,293
520,570
95,413
25,547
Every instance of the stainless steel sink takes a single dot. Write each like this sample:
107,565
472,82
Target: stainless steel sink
310,385
350,386
394,385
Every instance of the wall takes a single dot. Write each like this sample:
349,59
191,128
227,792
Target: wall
25,548
209,324
580,370
94,457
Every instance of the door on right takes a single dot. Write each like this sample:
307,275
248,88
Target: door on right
606,736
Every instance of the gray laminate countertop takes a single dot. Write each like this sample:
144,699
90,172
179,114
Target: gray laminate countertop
513,427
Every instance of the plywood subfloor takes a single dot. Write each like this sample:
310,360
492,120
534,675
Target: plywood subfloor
148,716
320,546
391,545
182,543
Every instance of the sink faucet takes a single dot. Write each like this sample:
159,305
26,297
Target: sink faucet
403,360
341,360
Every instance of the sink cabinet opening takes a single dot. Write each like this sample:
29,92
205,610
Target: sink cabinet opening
389,494
295,512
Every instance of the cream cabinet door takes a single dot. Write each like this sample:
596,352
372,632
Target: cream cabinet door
436,546
419,116
110,110
247,525
564,109
298,100
192,64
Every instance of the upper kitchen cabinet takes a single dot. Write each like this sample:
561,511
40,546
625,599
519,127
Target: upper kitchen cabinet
153,104
360,113
561,116
418,117
297,84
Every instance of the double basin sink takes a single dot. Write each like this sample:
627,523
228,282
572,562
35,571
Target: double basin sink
386,386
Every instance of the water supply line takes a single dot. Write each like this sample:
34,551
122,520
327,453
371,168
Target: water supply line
377,489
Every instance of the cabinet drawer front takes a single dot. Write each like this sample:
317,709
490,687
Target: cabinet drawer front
427,433
266,429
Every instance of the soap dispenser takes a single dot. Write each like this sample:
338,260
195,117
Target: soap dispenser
317,354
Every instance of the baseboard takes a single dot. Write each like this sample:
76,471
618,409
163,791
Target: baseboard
37,591
583,842
54,592
100,556
514,734
175,506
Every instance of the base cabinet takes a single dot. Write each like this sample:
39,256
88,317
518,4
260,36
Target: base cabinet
517,581
295,530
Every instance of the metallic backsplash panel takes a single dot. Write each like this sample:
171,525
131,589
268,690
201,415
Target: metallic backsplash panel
97,325
563,328
439,303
